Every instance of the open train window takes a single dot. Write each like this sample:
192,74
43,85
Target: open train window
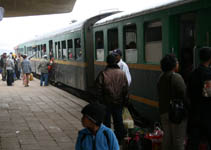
112,39
56,50
64,50
59,51
70,49
78,49
50,48
153,42
36,50
99,44
28,50
39,51
130,44
43,49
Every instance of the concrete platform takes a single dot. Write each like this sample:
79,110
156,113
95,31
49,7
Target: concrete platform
38,118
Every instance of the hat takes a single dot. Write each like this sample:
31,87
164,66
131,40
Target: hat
111,59
117,52
95,112
44,56
24,55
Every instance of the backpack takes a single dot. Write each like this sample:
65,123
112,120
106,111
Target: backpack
105,134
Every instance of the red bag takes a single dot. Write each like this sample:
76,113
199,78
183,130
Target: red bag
156,138
49,68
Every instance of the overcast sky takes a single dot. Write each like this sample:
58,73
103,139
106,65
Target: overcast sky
20,29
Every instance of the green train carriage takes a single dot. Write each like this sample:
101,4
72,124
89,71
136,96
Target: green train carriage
146,36
73,52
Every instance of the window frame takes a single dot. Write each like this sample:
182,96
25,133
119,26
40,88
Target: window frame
101,49
110,48
127,50
154,43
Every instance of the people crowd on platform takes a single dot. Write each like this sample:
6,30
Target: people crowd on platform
112,92
192,131
16,67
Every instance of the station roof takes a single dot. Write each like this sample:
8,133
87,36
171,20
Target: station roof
15,8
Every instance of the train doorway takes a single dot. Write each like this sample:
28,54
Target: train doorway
187,44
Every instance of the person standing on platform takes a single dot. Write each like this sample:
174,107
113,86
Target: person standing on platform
10,70
199,92
19,59
26,69
95,136
43,66
51,69
171,85
112,91
3,65
122,65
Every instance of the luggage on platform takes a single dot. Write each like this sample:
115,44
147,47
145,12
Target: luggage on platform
135,140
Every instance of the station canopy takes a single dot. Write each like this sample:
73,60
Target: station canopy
15,8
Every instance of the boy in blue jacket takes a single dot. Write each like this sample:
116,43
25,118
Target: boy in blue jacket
95,136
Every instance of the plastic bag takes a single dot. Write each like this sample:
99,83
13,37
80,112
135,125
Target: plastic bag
156,137
135,140
31,77
127,119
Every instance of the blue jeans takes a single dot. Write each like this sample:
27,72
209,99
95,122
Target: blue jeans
116,112
44,77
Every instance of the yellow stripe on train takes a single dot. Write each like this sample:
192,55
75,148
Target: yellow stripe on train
146,101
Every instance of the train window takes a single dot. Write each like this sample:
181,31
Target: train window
56,50
70,49
30,51
78,43
43,49
50,48
99,44
153,42
39,52
130,33
59,51
112,39
36,51
64,50
78,49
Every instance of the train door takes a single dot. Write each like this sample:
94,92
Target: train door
187,44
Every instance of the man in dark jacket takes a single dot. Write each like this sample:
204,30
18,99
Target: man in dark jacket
112,87
3,66
171,85
199,86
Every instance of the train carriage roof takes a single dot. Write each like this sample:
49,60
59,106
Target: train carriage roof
69,28
66,29
76,26
146,10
